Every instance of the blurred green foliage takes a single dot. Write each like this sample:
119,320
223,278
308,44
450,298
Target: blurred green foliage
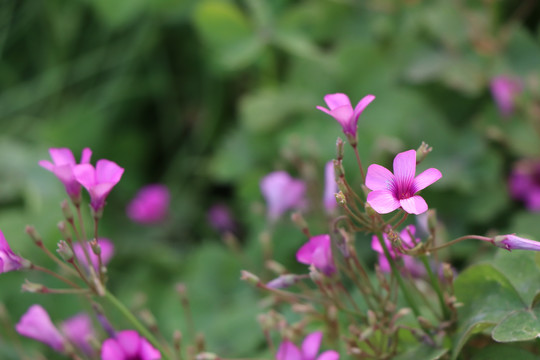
209,96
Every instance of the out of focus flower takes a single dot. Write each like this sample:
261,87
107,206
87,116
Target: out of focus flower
8,260
37,324
98,181
309,350
330,188
505,89
282,192
340,108
128,345
220,218
62,166
524,183
107,251
318,252
391,191
79,330
150,205
512,242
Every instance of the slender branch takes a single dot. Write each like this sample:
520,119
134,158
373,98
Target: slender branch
355,147
459,239
59,277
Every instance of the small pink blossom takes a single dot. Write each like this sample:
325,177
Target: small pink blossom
98,181
505,90
62,166
150,205
524,183
79,330
8,260
309,350
318,252
512,242
282,192
340,108
391,191
128,345
330,188
107,251
221,219
37,324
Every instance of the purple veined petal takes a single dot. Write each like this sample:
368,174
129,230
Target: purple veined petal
329,355
405,169
86,155
362,104
111,350
311,344
426,178
108,171
62,156
288,351
85,175
337,100
379,178
414,205
382,201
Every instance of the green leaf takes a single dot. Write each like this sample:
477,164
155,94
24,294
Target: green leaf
520,325
500,351
423,352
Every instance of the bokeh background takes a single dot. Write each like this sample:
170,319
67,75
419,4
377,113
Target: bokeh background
208,96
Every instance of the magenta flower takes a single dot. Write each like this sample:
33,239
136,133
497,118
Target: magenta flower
318,252
524,183
98,181
128,345
62,166
221,219
512,242
340,108
8,260
150,205
37,324
391,191
330,188
505,89
310,348
107,251
282,192
79,331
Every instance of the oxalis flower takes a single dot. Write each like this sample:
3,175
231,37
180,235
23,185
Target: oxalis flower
37,324
391,191
340,108
8,260
309,350
79,331
282,192
505,90
128,345
512,242
318,252
150,205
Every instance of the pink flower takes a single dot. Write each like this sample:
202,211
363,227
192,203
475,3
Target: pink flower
8,260
62,166
310,348
524,183
128,345
282,192
37,324
150,205
340,108
79,330
221,219
505,89
107,251
330,188
512,242
318,252
98,181
391,191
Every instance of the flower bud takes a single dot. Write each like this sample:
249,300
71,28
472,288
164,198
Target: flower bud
32,232
250,278
512,242
275,267
66,210
339,148
206,356
33,287
422,152
65,251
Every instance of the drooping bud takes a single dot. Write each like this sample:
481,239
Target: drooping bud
512,242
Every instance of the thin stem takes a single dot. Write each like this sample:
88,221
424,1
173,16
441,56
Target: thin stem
55,258
436,286
355,147
459,239
52,273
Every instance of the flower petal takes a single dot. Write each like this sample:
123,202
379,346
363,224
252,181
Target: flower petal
344,115
405,168
311,344
336,100
426,178
108,171
382,201
62,156
86,155
379,178
129,341
85,175
288,351
414,205
111,350
362,104
329,355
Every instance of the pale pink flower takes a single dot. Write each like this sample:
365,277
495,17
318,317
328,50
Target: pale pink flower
505,90
309,350
391,191
98,181
8,260
330,188
340,108
512,242
107,251
318,252
128,345
282,192
79,330
37,324
62,166
150,205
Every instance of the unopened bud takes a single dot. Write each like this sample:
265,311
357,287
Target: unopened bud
303,308
299,220
315,275
148,319
275,267
64,230
448,272
96,249
32,232
206,356
31,287
432,221
66,210
284,281
200,342
339,148
371,317
339,171
65,251
250,278
332,313
340,198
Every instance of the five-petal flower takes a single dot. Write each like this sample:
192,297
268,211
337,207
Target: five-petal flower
340,108
309,350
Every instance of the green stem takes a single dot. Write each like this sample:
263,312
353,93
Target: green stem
136,323
459,239
436,286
